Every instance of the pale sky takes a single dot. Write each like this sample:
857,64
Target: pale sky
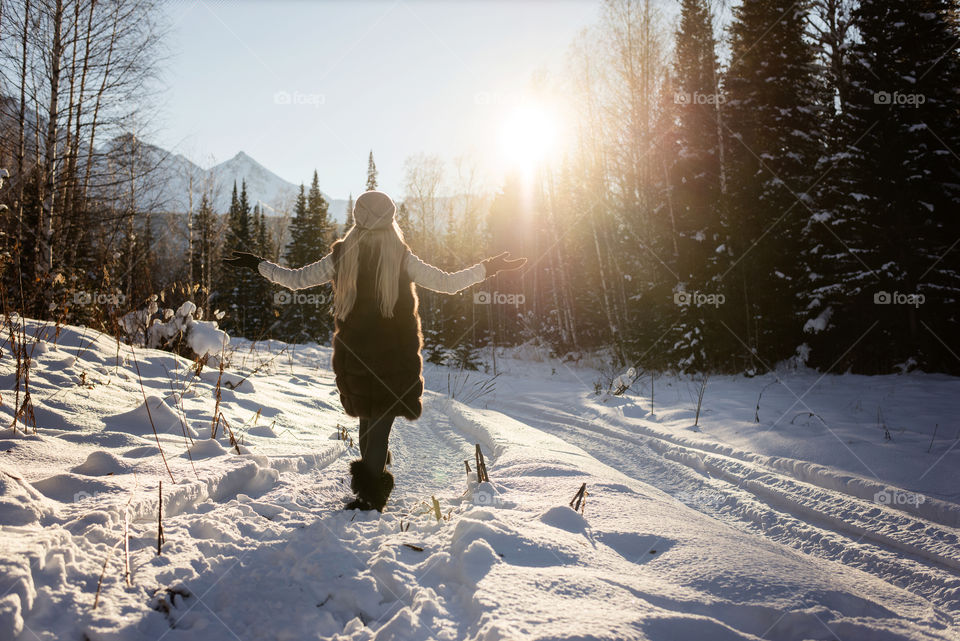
305,84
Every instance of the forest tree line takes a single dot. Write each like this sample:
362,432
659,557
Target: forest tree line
781,189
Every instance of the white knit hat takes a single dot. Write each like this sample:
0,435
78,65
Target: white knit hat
374,210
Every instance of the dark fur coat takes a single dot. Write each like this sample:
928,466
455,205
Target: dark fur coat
376,360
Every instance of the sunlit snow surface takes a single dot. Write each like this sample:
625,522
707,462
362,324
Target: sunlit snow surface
730,530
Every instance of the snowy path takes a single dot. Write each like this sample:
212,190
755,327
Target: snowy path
674,542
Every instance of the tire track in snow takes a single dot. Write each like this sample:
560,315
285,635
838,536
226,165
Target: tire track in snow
809,518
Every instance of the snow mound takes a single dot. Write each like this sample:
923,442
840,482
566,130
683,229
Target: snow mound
72,488
262,430
476,561
152,413
564,518
100,463
206,448
228,381
20,503
11,616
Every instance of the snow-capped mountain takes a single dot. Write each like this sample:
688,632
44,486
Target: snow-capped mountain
274,193
167,184
263,185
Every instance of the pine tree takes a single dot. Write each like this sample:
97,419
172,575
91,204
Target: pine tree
318,207
236,288
349,217
694,188
403,218
889,239
263,291
298,253
773,100
371,172
305,315
204,249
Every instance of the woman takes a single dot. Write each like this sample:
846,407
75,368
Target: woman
377,338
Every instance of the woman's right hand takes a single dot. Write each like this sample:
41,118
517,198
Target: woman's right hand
500,263
243,259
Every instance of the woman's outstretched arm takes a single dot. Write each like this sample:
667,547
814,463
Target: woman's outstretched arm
434,278
308,276
313,274
419,272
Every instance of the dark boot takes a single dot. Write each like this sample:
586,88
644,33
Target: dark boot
372,492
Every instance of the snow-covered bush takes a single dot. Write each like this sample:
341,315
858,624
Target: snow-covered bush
182,331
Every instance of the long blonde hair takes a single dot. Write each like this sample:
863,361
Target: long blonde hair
390,248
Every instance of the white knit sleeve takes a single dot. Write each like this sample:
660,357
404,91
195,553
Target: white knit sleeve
440,281
313,274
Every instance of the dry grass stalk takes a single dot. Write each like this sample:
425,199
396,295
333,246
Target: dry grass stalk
160,519
481,466
149,415
579,500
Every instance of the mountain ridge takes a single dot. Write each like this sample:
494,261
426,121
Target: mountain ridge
168,186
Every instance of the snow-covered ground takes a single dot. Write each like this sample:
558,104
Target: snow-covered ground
810,524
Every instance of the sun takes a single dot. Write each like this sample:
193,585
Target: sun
528,136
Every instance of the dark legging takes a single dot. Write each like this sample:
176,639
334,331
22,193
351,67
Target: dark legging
374,434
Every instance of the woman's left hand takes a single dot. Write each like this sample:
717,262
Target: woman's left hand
500,263
243,259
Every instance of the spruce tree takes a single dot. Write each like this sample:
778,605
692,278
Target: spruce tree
349,217
889,239
371,172
263,291
297,253
305,315
403,218
204,249
694,185
236,289
773,102
318,207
